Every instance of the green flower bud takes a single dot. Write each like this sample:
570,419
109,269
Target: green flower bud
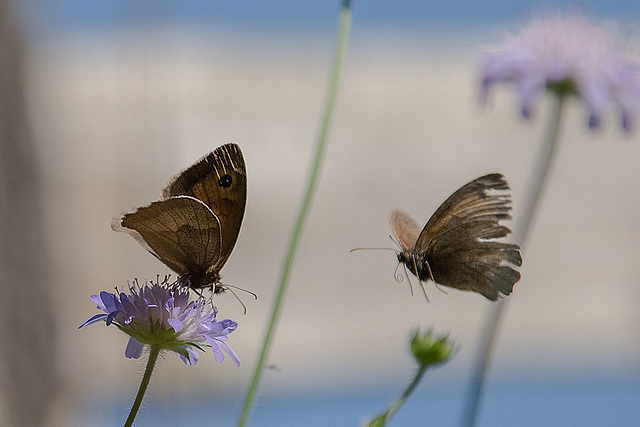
431,350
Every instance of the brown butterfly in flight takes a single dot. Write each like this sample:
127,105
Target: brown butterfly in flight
455,249
195,225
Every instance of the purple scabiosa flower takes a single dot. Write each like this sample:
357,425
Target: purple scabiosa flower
161,315
567,55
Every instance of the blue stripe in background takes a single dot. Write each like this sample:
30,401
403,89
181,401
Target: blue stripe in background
300,14
561,402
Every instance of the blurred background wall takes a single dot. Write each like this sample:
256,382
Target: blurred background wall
121,95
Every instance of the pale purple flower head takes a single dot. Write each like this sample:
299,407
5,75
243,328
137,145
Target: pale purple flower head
162,315
567,54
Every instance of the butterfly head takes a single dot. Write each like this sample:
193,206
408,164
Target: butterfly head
416,262
405,257
199,279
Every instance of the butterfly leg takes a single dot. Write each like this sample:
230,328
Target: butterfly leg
408,280
415,268
432,279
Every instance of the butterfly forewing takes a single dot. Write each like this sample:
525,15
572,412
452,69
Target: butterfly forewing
182,232
220,181
469,204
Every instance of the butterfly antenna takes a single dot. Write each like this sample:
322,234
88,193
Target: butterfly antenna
372,249
231,288
254,295
378,249
415,266
396,242
244,307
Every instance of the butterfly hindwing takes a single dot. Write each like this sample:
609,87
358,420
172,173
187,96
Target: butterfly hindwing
182,232
477,268
404,228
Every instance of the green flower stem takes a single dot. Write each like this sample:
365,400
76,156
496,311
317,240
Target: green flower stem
536,187
320,149
538,181
151,363
385,417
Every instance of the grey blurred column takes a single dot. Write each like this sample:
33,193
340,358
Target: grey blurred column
28,372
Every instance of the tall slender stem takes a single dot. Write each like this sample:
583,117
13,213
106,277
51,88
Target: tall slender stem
395,407
320,149
531,203
539,179
151,363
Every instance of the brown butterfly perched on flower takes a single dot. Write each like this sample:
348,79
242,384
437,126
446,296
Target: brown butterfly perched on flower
455,249
195,225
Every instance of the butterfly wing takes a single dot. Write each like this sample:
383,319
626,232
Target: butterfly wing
182,232
469,264
456,243
219,180
404,228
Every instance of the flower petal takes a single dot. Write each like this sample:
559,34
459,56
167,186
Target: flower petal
175,324
217,353
231,353
134,349
94,319
108,302
193,356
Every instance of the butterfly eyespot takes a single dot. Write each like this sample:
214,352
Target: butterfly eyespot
225,181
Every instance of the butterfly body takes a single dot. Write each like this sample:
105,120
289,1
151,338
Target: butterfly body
195,225
201,279
416,262
455,249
